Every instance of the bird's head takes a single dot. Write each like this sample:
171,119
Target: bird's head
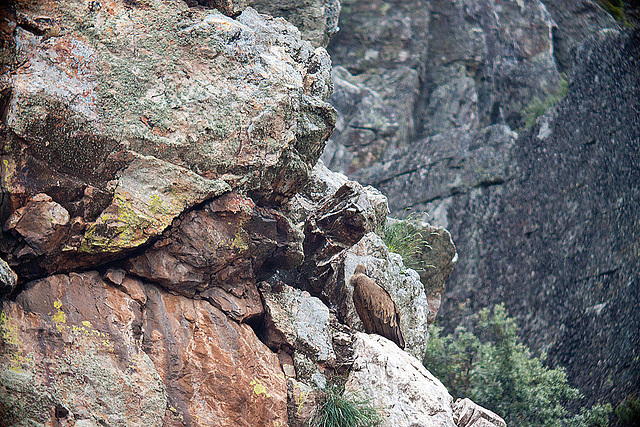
360,269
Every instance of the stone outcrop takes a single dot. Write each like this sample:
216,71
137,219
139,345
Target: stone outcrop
126,115
405,392
152,157
416,70
76,347
343,225
8,278
468,414
317,20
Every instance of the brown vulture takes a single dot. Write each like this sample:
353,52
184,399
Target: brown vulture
375,307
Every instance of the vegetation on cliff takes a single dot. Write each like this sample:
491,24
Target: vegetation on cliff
492,367
341,409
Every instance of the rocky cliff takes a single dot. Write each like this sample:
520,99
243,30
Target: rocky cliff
172,255
441,105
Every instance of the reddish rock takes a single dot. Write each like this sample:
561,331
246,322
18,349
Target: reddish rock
219,251
216,371
76,348
42,224
70,352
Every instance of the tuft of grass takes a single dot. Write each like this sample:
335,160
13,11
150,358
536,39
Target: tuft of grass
343,410
538,107
406,239
616,9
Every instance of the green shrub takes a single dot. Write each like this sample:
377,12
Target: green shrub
615,8
628,411
495,370
538,107
339,409
405,238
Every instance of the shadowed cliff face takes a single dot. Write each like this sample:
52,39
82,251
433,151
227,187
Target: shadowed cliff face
544,215
559,243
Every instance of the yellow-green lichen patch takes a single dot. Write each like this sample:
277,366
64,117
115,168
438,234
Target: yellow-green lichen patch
259,388
14,348
83,336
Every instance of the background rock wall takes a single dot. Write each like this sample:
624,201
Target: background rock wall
437,104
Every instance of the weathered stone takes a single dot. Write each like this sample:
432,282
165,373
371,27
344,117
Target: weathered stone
403,284
322,184
216,371
77,343
335,226
369,120
575,20
128,115
316,19
296,321
560,237
303,401
71,352
402,390
427,174
8,278
468,414
219,251
435,257
228,7
42,224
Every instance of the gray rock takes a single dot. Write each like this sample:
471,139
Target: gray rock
402,390
560,236
371,117
8,278
317,20
575,20
338,223
468,414
298,322
426,174
129,115
403,284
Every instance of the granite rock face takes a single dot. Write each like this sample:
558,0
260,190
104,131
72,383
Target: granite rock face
558,243
452,128
406,392
130,113
407,72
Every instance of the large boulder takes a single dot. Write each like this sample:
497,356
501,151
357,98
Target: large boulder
401,389
8,278
77,348
217,372
317,20
129,114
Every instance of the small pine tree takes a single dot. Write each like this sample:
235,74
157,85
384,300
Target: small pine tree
494,369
